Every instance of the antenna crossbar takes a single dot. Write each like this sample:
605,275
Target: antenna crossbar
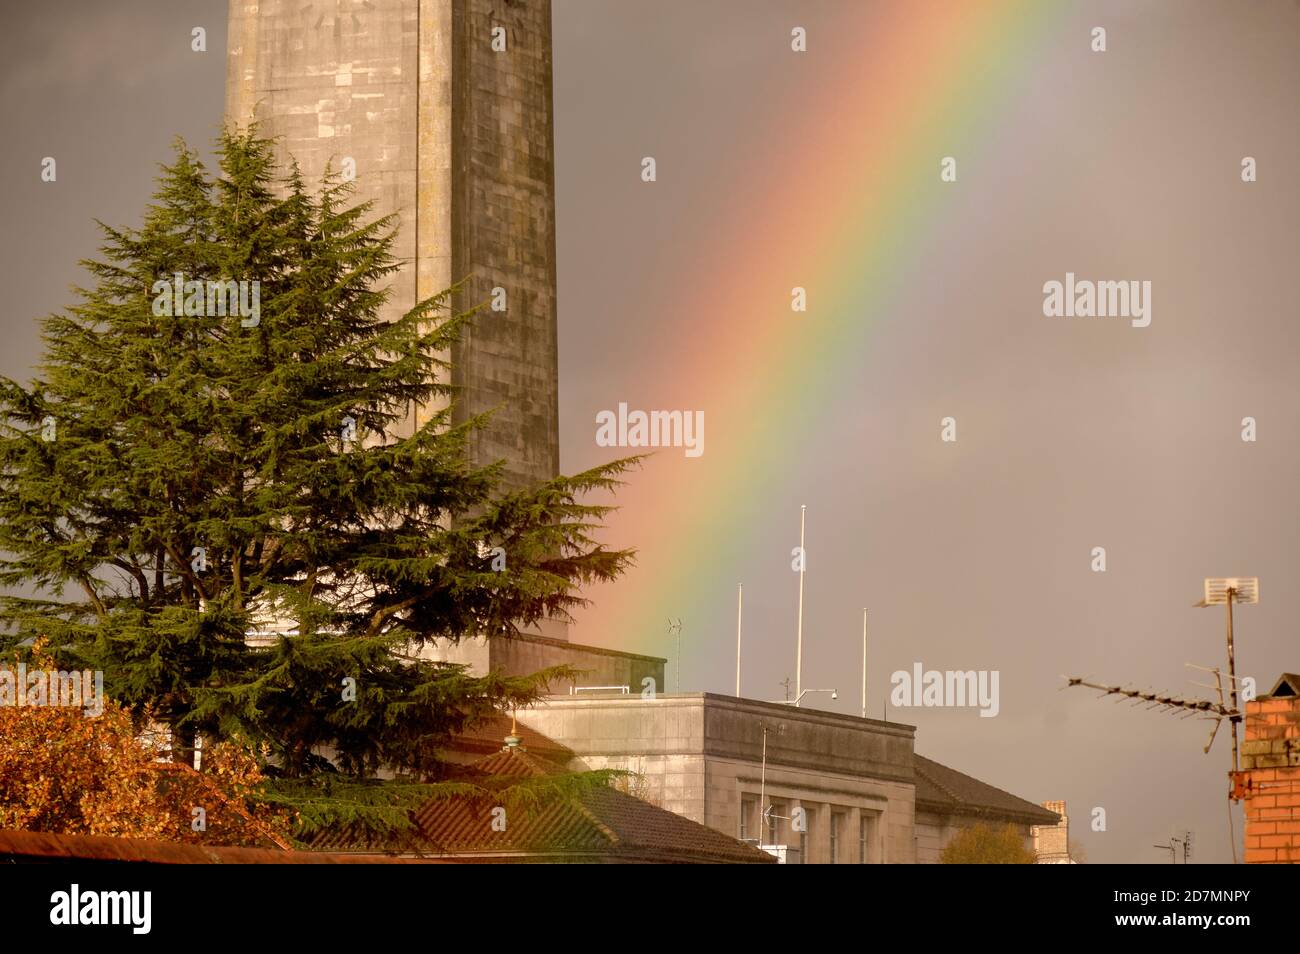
1157,699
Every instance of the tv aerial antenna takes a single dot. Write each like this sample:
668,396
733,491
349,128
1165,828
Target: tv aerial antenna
1182,840
1219,591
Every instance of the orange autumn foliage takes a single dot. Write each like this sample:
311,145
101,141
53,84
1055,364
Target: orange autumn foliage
62,771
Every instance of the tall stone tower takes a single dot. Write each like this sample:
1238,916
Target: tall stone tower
443,108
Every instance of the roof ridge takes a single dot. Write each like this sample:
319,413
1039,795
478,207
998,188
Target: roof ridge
979,799
932,780
1002,791
532,766
591,817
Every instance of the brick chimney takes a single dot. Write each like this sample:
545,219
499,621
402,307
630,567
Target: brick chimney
1052,842
1269,780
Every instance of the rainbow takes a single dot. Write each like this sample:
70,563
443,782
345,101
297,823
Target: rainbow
934,74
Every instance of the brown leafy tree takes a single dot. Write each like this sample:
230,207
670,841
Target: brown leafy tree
65,772
982,844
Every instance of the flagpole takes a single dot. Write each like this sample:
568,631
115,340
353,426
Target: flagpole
740,607
864,662
798,656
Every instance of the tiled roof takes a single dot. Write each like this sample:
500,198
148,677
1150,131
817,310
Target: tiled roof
949,792
47,847
515,763
596,824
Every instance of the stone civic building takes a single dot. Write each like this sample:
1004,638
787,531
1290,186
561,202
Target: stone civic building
948,801
529,652
864,795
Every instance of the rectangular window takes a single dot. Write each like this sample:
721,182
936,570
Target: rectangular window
746,811
806,812
775,810
866,828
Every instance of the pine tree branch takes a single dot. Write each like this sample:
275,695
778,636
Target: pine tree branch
377,621
237,576
186,429
137,573
185,570
100,609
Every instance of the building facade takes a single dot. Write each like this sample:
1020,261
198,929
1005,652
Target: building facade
826,787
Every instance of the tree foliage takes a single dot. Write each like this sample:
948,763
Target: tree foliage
173,486
63,772
983,844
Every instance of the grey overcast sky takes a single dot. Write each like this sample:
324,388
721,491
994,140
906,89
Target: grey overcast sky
1073,433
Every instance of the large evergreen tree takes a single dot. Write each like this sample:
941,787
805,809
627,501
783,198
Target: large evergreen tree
172,483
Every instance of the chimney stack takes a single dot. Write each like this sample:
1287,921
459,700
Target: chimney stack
1269,780
1052,842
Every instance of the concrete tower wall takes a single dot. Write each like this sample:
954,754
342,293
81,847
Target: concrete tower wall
503,230
456,139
